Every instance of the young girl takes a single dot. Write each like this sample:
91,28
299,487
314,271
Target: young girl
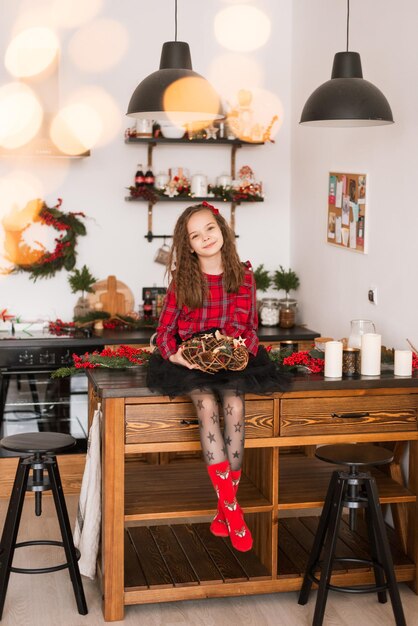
212,290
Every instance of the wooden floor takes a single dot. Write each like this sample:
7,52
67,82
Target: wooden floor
47,600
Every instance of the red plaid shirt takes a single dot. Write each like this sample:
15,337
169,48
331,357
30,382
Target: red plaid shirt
235,314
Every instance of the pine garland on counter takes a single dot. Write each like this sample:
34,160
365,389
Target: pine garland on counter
121,358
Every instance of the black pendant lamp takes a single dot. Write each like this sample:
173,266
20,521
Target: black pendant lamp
347,99
175,92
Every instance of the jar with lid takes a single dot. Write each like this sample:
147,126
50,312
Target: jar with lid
287,312
269,312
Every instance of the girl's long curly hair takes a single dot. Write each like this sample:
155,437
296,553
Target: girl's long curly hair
183,266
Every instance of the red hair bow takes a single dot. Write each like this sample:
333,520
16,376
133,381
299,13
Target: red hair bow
214,210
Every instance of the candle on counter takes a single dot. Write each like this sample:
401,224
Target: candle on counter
333,359
403,363
98,325
371,354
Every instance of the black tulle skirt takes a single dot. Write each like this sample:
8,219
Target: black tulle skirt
261,376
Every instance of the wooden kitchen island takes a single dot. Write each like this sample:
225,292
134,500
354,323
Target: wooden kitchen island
157,499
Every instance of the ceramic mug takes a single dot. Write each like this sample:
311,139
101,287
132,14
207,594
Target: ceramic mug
161,181
144,127
225,180
162,255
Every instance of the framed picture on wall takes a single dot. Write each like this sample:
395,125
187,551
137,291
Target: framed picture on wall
346,223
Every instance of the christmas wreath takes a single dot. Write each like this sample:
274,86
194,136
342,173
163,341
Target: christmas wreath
213,352
70,227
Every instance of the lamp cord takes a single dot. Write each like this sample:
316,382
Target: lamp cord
175,20
348,21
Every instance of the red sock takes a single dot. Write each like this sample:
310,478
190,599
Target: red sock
218,525
239,533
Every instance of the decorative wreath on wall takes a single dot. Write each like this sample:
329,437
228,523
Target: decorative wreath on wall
70,227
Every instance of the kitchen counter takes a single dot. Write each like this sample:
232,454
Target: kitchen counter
131,383
140,337
158,501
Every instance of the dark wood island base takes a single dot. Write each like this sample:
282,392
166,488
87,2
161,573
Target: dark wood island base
157,500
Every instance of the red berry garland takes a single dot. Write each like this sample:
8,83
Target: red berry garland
120,358
313,364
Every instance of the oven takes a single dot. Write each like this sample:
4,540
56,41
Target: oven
30,400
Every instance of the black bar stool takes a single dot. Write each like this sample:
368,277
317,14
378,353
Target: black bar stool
352,489
42,448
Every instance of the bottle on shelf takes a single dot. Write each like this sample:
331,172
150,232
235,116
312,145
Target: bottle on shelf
149,177
139,177
147,305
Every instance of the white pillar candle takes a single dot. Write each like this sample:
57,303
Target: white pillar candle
371,354
333,359
403,362
199,186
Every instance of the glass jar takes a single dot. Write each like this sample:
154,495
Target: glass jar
359,328
269,312
287,313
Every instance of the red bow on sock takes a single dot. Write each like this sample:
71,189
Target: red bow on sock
214,210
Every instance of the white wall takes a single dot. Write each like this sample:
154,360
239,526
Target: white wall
334,282
115,241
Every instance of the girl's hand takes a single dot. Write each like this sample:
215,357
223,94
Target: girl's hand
178,359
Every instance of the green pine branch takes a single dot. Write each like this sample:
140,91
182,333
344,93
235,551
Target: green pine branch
81,280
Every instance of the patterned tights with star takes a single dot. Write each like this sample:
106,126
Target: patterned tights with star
218,447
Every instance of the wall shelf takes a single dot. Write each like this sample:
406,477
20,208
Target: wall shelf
190,142
193,199
152,142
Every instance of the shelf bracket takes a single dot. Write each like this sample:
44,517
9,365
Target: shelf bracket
150,235
151,146
234,149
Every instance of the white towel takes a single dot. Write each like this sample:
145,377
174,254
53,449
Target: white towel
87,525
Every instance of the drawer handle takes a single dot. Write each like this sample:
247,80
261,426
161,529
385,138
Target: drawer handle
350,415
189,422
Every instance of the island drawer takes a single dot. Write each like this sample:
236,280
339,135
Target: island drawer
152,423
347,414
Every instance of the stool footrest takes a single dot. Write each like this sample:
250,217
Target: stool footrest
41,570
359,588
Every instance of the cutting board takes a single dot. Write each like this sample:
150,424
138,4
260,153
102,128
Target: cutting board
113,296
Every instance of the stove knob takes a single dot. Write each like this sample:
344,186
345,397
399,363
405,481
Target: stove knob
25,358
47,358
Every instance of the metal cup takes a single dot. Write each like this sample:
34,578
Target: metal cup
162,255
